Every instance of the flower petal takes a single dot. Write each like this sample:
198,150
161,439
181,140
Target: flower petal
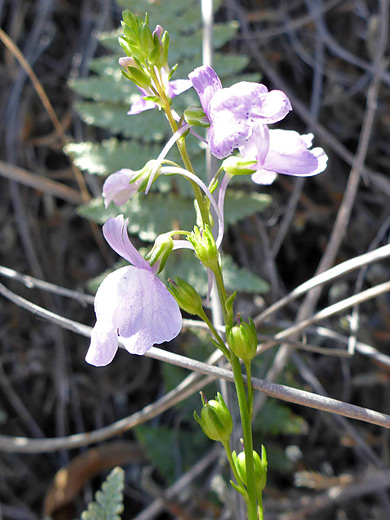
177,86
258,144
206,83
115,232
117,187
240,100
272,107
263,177
231,116
140,106
227,133
149,313
135,305
103,346
288,154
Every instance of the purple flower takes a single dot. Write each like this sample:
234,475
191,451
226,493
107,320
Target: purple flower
131,303
282,151
120,187
233,111
172,88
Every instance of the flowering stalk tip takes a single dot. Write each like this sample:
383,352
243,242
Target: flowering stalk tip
146,63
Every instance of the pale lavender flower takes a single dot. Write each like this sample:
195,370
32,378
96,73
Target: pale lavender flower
276,151
131,303
172,88
119,187
233,111
282,151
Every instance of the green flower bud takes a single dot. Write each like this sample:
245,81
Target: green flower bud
242,340
146,39
140,78
126,61
186,296
145,173
237,166
164,50
260,468
205,247
159,55
196,116
216,421
160,252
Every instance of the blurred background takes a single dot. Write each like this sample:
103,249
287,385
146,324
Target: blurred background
332,59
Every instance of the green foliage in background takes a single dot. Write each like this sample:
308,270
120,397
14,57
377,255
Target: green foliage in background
133,140
108,503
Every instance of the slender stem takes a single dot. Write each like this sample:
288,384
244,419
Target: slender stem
247,435
214,179
260,509
222,296
249,387
244,401
228,451
220,341
204,211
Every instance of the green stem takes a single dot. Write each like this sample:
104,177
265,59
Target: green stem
222,297
220,341
204,211
249,387
226,445
247,435
260,510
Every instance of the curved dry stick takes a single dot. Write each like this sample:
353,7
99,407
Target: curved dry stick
331,274
345,210
41,183
30,282
26,445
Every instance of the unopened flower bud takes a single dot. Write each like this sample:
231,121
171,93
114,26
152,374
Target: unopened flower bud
138,77
215,421
158,32
237,166
121,186
126,61
260,465
145,39
196,116
159,54
205,247
146,172
164,49
186,296
160,251
242,340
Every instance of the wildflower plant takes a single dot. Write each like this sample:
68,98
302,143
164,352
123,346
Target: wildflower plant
132,304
